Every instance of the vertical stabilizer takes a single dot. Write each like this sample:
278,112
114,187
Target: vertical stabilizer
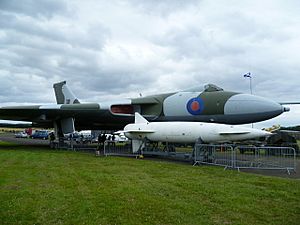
63,94
138,118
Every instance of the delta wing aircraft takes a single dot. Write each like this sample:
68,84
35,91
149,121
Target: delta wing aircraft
207,104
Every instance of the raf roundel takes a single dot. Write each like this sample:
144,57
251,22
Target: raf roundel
195,106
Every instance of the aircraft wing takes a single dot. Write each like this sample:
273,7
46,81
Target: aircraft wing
86,115
36,113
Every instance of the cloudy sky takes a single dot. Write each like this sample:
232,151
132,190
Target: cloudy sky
118,48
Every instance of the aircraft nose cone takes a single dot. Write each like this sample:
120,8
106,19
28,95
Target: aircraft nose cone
253,108
262,133
266,133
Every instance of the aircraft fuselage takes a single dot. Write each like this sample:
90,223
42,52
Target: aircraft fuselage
211,104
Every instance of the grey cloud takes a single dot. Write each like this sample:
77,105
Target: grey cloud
23,87
30,46
42,8
28,26
93,37
117,83
162,8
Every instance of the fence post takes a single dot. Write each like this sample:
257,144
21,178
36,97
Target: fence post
104,148
233,156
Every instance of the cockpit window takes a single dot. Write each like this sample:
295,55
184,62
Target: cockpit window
212,88
207,88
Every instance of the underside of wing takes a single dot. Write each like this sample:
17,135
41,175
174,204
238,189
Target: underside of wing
37,113
86,115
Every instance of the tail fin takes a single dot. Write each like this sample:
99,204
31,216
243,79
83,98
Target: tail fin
138,118
63,94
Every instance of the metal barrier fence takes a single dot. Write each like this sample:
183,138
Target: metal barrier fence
235,157
250,157
111,148
221,155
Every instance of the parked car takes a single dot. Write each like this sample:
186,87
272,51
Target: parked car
21,134
80,137
40,134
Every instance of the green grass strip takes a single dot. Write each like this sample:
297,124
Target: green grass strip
60,187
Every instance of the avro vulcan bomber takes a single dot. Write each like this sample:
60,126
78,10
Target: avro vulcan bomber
201,104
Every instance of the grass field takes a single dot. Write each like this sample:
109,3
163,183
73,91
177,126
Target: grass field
40,186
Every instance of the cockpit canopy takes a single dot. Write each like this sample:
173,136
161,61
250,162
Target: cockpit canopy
206,88
212,88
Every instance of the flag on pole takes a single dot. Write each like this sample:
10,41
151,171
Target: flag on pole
247,75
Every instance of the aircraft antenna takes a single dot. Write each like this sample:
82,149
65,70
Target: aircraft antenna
248,75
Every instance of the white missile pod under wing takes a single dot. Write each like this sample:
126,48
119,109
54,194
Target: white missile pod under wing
186,132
